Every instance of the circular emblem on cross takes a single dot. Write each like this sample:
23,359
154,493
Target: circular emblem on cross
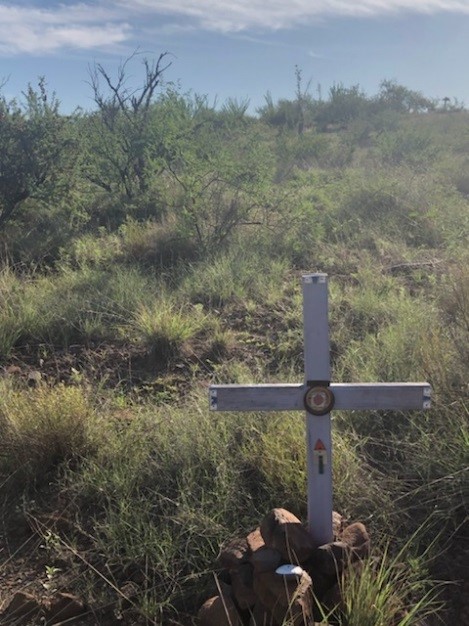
319,400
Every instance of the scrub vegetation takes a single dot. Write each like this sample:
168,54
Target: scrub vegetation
153,246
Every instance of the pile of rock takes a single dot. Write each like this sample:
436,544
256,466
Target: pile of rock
277,575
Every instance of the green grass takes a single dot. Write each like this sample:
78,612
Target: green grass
157,487
150,482
73,305
41,430
163,326
156,490
387,589
240,276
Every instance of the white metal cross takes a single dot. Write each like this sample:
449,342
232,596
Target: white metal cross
318,396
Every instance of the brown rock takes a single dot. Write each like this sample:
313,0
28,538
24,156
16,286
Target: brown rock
274,519
233,553
128,592
356,536
255,540
21,609
265,559
219,611
338,524
261,616
285,598
64,607
284,532
241,584
332,599
329,559
322,583
223,585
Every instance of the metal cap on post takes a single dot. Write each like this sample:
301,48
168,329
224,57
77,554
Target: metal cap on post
316,328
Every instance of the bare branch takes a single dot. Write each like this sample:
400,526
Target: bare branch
120,97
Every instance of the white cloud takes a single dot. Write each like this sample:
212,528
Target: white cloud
40,31
238,15
107,23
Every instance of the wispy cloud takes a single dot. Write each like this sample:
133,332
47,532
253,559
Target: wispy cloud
40,28
265,15
33,30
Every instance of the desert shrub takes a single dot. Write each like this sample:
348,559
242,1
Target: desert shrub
167,489
97,249
295,230
418,210
460,177
159,244
10,330
278,452
393,349
409,341
302,152
405,147
454,300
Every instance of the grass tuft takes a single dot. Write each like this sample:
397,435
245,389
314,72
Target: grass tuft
386,590
164,326
41,430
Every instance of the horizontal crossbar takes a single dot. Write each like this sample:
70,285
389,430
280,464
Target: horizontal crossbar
351,396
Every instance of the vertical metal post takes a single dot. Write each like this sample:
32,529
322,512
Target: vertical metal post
318,427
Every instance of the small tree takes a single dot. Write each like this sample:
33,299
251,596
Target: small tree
35,151
401,99
345,105
294,114
119,131
217,174
281,114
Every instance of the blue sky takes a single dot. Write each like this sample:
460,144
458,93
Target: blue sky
239,48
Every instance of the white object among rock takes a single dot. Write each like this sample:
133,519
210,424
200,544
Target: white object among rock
289,570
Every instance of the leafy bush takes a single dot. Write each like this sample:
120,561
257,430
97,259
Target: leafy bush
158,244
396,205
404,147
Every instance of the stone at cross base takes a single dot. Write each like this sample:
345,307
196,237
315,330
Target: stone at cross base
285,597
219,611
256,594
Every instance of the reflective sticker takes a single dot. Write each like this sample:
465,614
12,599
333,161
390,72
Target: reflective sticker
320,456
319,400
